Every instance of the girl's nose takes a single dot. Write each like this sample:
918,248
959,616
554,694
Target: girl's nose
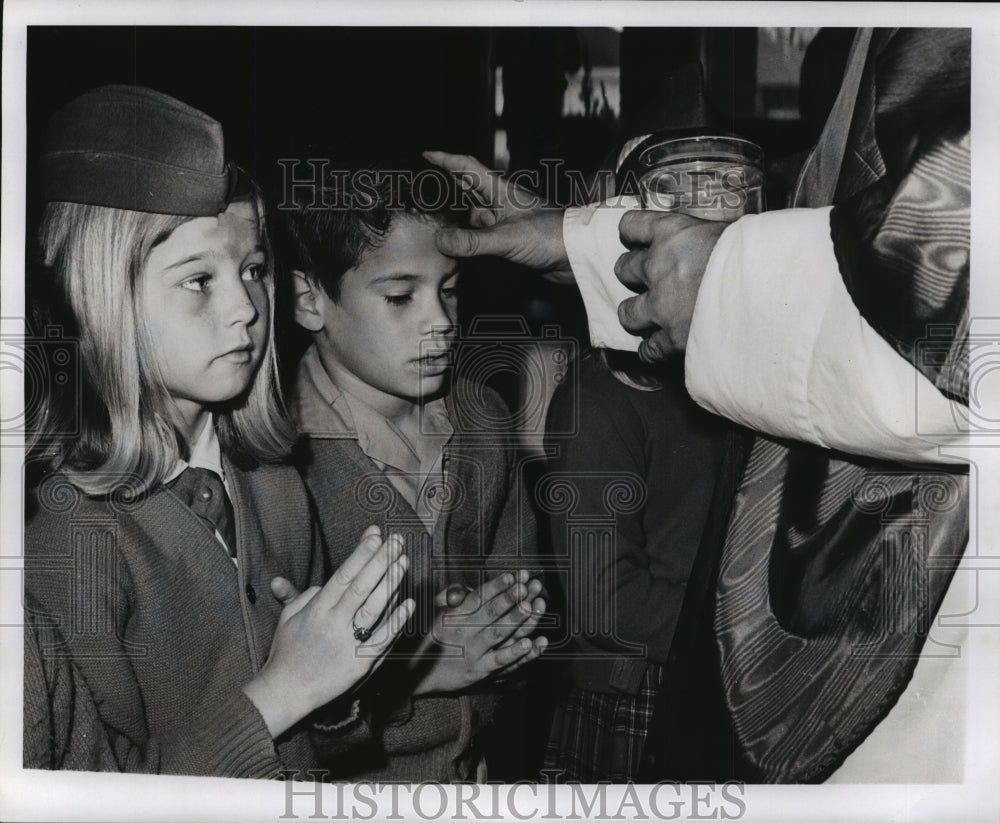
243,308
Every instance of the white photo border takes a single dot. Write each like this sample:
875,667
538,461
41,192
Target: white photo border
37,795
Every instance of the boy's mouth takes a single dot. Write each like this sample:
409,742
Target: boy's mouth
438,361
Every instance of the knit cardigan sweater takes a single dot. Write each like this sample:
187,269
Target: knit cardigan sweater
62,726
486,526
163,629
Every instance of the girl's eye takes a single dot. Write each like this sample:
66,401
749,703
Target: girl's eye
398,299
255,271
198,283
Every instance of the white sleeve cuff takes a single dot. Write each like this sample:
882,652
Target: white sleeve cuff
777,344
593,245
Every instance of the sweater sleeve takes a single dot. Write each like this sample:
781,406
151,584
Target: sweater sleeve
225,739
62,725
222,735
497,504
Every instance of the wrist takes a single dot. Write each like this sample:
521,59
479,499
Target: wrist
280,704
262,694
560,270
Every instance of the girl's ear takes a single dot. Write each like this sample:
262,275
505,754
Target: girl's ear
309,302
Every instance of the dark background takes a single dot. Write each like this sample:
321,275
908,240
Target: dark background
287,91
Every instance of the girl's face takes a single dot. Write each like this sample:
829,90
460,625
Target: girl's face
206,307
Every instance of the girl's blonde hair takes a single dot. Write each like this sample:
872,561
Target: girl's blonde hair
97,255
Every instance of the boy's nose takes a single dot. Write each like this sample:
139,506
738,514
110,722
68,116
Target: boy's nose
442,331
441,320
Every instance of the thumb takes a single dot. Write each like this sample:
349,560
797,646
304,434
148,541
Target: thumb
500,240
284,590
451,597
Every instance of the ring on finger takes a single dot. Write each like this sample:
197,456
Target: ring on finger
361,634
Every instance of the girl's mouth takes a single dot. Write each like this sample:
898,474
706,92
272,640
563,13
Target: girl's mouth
244,354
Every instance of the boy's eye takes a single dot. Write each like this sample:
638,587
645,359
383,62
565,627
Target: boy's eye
449,288
198,283
398,299
255,271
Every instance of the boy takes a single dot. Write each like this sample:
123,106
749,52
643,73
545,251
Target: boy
383,442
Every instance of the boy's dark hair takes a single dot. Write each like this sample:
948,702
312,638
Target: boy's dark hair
327,229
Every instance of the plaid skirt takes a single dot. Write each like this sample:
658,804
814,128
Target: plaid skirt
597,736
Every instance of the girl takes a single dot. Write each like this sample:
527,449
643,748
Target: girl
159,530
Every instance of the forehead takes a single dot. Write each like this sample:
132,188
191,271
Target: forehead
234,231
408,248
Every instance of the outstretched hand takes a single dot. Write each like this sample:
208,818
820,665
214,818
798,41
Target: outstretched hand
315,656
670,252
484,632
507,221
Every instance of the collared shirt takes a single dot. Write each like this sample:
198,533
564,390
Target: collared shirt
415,469
205,454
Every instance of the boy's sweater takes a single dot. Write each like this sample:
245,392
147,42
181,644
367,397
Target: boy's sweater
484,527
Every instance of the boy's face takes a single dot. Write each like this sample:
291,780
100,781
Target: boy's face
393,326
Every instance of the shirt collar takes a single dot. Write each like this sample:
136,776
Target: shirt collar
205,453
317,403
323,410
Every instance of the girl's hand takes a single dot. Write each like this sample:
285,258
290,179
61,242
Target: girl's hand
315,656
484,633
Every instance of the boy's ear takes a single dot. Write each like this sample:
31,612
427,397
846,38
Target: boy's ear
309,301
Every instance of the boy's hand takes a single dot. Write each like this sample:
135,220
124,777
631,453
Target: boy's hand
484,632
315,655
507,221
